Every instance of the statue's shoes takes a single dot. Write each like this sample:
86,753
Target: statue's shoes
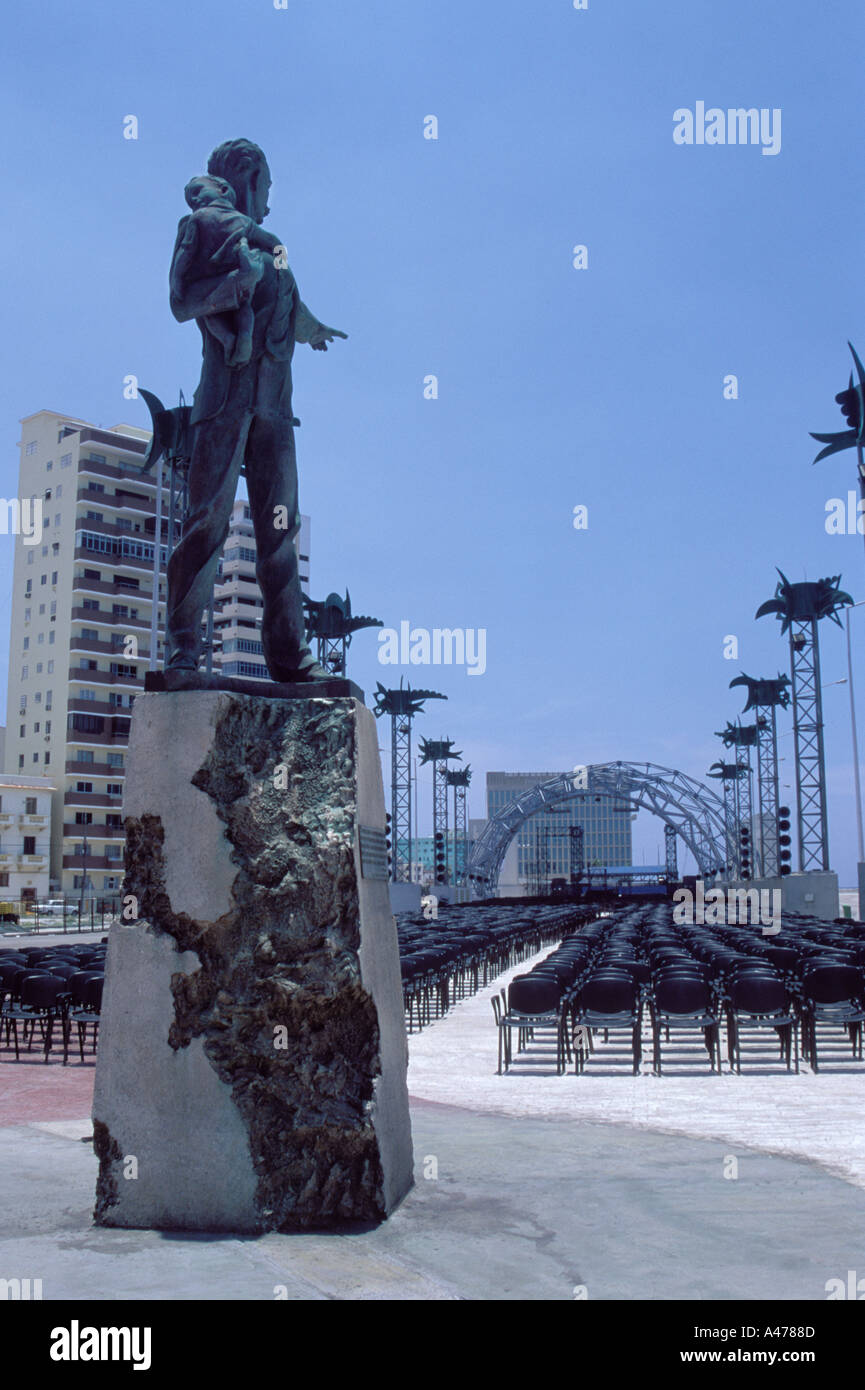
305,674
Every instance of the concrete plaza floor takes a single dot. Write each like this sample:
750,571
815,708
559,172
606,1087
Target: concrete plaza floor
528,1186
519,1209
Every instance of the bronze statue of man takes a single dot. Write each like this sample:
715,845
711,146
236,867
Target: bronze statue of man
241,416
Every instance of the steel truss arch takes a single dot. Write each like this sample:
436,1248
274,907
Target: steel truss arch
694,812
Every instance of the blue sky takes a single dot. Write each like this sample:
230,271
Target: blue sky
557,387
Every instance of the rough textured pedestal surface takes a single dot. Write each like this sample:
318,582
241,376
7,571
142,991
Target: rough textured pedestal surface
253,1055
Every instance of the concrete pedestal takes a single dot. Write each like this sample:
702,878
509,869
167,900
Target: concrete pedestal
252,1063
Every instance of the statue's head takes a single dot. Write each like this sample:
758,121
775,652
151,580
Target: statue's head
205,189
243,165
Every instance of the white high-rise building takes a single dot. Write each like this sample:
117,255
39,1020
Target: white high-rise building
81,611
80,632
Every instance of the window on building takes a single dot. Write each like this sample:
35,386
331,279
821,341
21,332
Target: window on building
83,817
90,634
43,579
55,545
113,852
25,672
22,731
36,727
49,465
58,492
31,447
29,844
4,880
54,574
86,693
94,516
92,603
40,639
85,755
114,821
27,612
92,574
47,494
51,638
86,723
114,789
123,668
115,759
48,726
29,587
35,757
39,668
30,805
26,644
84,786
65,460
48,697
29,560
110,883
47,758
20,761
50,668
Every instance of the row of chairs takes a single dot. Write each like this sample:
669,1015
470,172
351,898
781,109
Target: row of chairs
688,978
52,990
468,946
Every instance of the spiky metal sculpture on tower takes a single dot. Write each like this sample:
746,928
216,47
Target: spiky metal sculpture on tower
437,752
332,625
799,608
852,403
459,778
764,696
402,705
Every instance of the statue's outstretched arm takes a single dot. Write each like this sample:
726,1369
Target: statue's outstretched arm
309,329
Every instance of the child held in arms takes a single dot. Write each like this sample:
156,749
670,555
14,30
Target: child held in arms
215,237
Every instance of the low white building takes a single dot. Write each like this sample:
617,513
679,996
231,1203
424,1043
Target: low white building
25,836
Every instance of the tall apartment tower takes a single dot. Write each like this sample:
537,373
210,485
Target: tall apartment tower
82,600
82,605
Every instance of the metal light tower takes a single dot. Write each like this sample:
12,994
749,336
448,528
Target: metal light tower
332,625
402,705
459,778
731,775
799,608
764,696
741,736
670,856
437,752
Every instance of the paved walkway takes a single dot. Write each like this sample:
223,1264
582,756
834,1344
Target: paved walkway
519,1209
